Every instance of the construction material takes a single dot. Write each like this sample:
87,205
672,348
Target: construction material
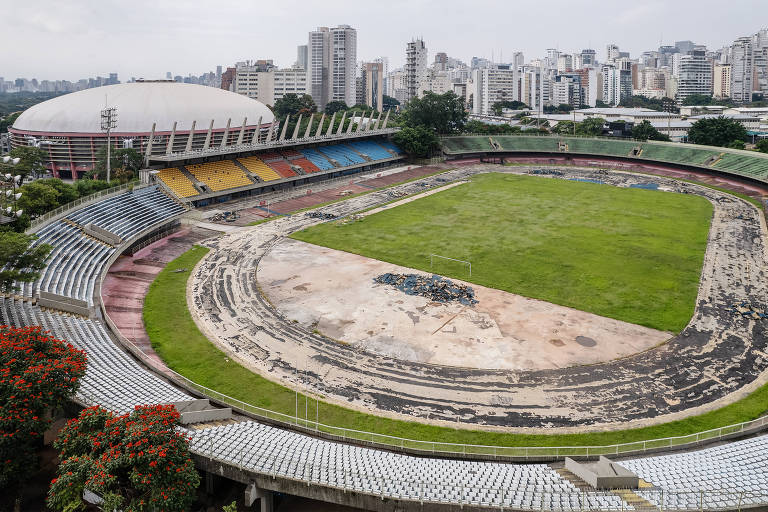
435,288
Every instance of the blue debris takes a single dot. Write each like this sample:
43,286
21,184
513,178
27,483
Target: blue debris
646,186
435,288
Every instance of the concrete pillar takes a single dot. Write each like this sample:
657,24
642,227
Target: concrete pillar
309,125
351,121
296,128
320,126
386,119
369,126
149,145
169,146
341,124
208,135
242,132
360,123
265,497
190,138
257,132
378,121
226,134
285,126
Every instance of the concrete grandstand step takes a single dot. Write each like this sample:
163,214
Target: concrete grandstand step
575,480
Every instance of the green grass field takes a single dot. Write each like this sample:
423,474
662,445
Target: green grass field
629,254
183,347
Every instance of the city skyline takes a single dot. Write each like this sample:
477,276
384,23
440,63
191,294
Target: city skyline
74,26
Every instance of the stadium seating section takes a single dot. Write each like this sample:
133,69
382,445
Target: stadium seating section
274,165
318,159
76,259
750,164
220,175
257,167
178,182
342,154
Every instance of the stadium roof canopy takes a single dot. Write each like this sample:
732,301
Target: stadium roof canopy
140,104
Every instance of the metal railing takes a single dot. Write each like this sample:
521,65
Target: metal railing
52,215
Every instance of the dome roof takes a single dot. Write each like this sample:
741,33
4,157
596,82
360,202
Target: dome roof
140,104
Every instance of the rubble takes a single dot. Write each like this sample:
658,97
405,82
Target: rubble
320,215
225,217
435,288
396,193
546,172
748,310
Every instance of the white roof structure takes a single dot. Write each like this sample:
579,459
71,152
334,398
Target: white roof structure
140,104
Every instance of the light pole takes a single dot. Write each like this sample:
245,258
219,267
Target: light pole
108,122
11,194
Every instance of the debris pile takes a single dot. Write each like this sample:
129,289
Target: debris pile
225,217
748,310
396,193
435,288
320,215
549,172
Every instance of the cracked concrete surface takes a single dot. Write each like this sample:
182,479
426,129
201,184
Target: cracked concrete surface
717,358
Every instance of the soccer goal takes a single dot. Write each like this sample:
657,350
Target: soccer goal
466,264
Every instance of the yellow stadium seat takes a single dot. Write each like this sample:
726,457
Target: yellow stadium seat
221,175
259,168
177,182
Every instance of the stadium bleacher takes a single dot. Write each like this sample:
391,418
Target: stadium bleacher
390,146
527,143
370,149
743,164
676,153
221,175
342,154
600,147
282,167
318,159
306,165
257,167
466,144
177,182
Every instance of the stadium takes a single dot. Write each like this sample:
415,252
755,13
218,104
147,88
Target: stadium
223,254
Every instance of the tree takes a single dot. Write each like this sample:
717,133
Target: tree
716,131
762,145
19,262
417,141
127,159
736,144
87,187
388,102
697,99
7,121
646,131
67,192
31,160
592,126
335,106
565,127
135,461
37,373
441,113
38,198
474,126
499,106
293,105
639,101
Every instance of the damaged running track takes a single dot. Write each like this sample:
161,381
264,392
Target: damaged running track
716,355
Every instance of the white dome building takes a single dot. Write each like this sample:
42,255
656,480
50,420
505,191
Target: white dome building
69,127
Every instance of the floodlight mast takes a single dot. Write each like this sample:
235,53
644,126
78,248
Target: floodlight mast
108,122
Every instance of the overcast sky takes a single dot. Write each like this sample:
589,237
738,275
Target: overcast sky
69,39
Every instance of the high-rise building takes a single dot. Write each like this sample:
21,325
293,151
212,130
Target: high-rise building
492,85
684,47
302,56
415,67
588,58
741,70
611,53
721,81
694,75
564,63
760,62
441,61
288,81
566,90
331,64
617,84
373,84
589,86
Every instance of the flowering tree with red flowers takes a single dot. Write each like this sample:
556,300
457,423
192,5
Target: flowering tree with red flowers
37,373
134,462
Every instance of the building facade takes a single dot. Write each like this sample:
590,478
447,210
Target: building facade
415,67
694,75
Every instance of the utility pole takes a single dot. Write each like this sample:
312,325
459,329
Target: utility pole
108,122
